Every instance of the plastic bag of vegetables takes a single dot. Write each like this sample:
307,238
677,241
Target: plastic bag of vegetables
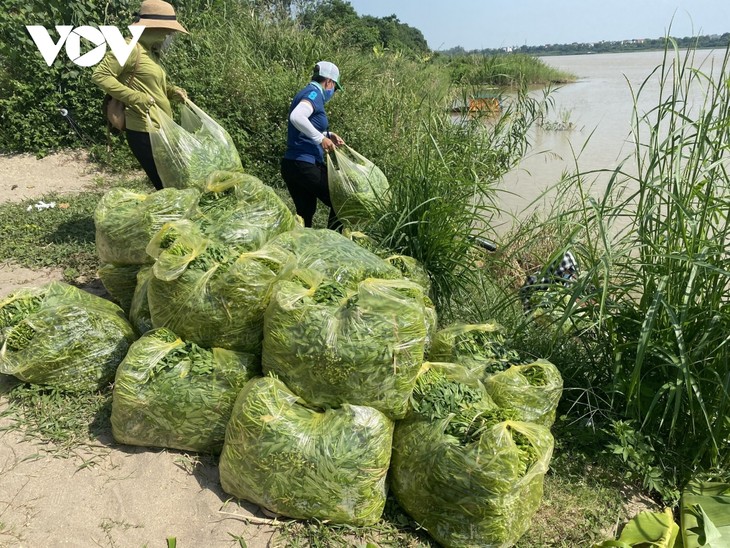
462,467
125,221
480,347
533,390
208,293
357,186
334,255
186,154
333,345
60,336
169,393
305,463
239,210
120,281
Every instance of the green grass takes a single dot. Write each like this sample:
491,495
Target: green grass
61,419
60,237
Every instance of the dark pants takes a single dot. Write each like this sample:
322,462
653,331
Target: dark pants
139,144
307,183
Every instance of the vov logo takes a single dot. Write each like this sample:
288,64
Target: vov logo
71,37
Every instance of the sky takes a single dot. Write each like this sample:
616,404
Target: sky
481,24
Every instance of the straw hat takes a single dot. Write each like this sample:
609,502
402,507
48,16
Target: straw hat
157,14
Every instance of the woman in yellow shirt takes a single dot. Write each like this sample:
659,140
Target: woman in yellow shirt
149,86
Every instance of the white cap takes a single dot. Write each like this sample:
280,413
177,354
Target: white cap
327,70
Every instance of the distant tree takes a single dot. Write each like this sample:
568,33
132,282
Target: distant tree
338,18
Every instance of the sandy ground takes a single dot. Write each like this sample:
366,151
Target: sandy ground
103,494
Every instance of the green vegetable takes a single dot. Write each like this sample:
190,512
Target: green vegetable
60,336
357,186
533,390
169,393
126,221
186,154
331,344
239,210
334,256
212,295
120,281
304,463
462,468
480,347
411,269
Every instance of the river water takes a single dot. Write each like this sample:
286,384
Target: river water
599,105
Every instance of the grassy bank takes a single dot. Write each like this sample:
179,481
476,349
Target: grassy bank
640,338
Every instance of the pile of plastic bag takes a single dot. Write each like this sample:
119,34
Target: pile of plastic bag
358,385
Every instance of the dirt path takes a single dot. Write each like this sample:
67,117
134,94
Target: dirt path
104,494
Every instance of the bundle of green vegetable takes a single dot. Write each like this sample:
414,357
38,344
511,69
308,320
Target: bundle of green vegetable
120,281
126,221
334,255
210,294
533,390
479,347
60,336
305,463
357,186
169,393
332,344
239,210
186,154
462,467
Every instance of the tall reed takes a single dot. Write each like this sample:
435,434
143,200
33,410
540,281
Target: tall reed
656,272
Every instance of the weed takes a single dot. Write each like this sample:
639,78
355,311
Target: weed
66,420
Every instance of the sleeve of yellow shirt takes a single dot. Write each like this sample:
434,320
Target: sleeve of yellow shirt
109,74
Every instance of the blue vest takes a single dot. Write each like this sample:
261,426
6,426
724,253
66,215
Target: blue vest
299,146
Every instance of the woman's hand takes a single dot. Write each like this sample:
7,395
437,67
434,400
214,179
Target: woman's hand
339,141
328,145
332,141
180,95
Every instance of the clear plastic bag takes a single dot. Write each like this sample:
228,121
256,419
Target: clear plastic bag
305,463
357,186
59,336
209,293
533,390
332,344
169,393
126,221
187,153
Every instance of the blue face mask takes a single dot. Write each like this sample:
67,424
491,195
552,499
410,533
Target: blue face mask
328,94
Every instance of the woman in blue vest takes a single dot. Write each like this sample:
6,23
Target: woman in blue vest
308,137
